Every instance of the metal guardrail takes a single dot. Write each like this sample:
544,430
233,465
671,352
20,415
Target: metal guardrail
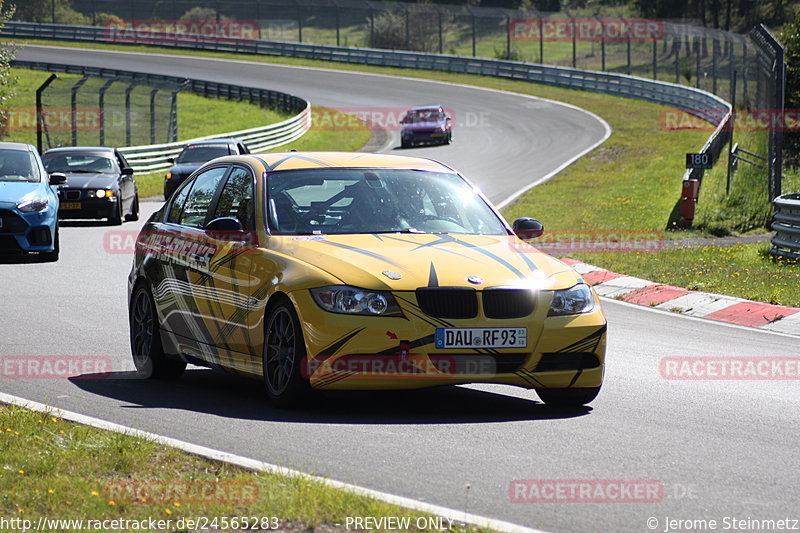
151,158
699,103
786,223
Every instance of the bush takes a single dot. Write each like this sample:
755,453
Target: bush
790,38
109,19
423,29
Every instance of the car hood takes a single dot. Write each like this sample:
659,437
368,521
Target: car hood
425,260
423,126
90,181
185,169
14,192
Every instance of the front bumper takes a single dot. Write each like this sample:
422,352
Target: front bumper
21,233
89,208
366,352
425,137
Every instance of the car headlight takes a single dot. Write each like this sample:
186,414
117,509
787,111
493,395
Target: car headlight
573,301
354,301
37,204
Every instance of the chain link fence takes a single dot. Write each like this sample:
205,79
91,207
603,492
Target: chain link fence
93,111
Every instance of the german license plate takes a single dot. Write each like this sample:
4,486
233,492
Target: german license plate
71,205
481,338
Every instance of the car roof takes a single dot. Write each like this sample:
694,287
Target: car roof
16,146
80,149
308,160
426,108
213,141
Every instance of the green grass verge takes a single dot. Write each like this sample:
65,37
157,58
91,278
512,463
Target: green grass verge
62,470
743,270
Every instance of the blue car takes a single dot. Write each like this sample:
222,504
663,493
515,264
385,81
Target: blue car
28,204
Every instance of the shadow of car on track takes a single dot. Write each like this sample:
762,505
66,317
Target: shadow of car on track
226,395
84,223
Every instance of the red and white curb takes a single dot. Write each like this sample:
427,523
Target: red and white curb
694,303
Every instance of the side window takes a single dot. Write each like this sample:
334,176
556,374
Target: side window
197,203
236,200
123,163
176,208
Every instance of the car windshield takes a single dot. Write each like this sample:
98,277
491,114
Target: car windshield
79,163
424,116
202,153
18,165
342,201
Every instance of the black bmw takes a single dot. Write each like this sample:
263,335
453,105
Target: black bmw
100,183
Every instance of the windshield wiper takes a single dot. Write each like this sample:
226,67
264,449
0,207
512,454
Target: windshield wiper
413,231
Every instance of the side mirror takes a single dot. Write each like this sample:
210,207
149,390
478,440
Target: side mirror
528,228
170,160
225,228
58,178
127,171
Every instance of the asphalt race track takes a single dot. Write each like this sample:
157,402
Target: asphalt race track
720,448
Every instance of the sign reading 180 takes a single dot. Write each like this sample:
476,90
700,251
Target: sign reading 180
698,161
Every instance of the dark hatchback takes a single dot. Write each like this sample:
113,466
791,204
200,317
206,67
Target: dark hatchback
427,124
100,183
196,154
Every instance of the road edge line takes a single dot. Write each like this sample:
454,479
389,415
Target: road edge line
262,466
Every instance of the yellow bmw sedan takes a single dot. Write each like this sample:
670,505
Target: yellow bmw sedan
325,270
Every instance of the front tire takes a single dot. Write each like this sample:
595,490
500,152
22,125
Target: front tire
146,348
133,216
283,357
568,397
116,218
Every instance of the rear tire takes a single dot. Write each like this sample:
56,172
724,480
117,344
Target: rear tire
146,348
134,214
283,357
568,397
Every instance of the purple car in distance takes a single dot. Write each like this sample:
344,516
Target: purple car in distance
427,124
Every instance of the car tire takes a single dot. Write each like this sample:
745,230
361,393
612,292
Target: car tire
568,397
146,348
116,218
405,144
284,354
52,257
133,216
